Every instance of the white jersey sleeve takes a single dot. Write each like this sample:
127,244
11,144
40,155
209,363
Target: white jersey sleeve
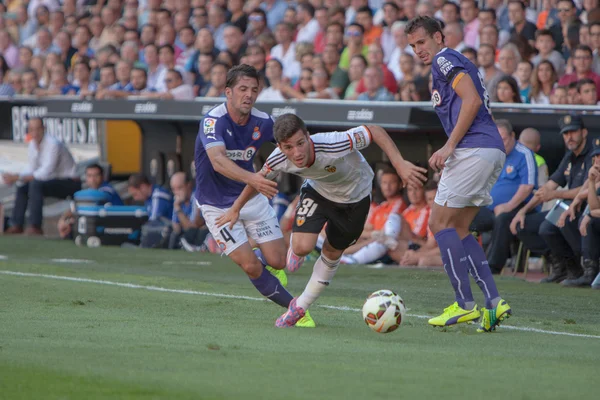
343,143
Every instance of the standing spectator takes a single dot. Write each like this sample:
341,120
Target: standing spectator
158,201
520,25
275,10
543,80
285,51
582,63
375,90
468,13
51,172
308,27
544,43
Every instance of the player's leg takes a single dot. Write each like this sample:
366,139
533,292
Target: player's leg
233,241
344,227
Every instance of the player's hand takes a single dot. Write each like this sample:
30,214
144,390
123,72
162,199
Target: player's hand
264,185
437,162
410,173
585,221
501,209
231,216
517,222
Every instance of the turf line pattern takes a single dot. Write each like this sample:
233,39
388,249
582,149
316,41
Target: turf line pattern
238,297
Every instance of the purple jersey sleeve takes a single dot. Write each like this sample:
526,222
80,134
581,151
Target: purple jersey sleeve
211,132
448,66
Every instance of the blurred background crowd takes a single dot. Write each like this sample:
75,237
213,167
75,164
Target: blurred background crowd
542,53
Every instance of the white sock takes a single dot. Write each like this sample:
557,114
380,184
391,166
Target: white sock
323,272
371,252
393,225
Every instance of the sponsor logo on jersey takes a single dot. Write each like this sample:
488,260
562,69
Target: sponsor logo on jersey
256,133
241,155
331,168
209,126
436,98
445,65
510,169
300,220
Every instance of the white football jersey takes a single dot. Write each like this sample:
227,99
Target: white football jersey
339,172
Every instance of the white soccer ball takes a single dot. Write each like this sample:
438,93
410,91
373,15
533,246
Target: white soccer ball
384,311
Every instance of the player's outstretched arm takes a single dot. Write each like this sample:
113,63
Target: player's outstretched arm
224,166
407,170
471,102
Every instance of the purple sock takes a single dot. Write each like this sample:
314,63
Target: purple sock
455,264
272,289
480,270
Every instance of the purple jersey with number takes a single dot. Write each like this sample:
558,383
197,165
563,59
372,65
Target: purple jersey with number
241,144
446,67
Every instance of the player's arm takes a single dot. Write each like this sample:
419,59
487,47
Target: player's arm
407,170
593,200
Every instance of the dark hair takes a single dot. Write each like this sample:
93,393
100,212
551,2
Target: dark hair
335,23
275,61
512,82
543,32
140,69
165,10
568,1
391,4
359,26
85,62
519,2
239,71
583,47
488,45
430,185
137,180
260,11
430,25
286,126
584,81
167,46
174,71
467,50
365,9
96,166
309,8
361,57
453,4
505,123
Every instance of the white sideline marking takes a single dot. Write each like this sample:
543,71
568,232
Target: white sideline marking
3,257
231,296
187,262
71,261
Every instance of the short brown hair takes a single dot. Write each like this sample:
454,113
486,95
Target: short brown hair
137,180
286,126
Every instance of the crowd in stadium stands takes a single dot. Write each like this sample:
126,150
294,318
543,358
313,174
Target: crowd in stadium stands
325,49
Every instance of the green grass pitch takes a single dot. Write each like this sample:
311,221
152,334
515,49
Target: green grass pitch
91,337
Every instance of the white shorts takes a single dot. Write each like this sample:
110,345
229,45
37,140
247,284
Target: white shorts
257,220
468,178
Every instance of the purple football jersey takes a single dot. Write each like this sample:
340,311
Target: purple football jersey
241,145
446,66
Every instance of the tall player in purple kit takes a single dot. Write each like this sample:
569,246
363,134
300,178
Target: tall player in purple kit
228,139
470,161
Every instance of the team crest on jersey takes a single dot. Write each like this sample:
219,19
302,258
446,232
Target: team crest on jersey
568,170
300,220
331,168
509,169
256,133
209,126
445,65
436,98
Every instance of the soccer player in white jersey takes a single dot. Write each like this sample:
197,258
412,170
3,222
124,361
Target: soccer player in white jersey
337,191
471,160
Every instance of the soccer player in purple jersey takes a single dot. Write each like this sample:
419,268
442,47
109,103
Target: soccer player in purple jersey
470,161
229,137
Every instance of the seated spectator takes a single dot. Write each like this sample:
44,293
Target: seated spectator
541,236
81,82
51,172
513,189
176,88
364,17
559,95
531,138
274,73
375,91
487,66
218,79
139,82
590,225
285,51
158,200
320,87
428,255
355,45
358,65
507,90
29,82
187,217
58,82
94,179
375,59
471,55
523,76
339,78
588,94
543,80
582,65
544,43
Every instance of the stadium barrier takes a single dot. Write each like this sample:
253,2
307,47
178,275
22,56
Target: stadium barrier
158,136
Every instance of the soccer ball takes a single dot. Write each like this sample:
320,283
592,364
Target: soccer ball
384,311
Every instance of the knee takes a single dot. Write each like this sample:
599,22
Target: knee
253,268
302,249
434,225
548,229
278,261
